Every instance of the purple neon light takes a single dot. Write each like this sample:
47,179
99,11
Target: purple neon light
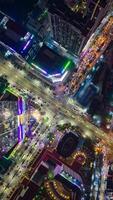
26,45
19,133
21,127
20,130
43,71
49,75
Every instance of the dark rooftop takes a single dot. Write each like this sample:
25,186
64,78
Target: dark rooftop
76,19
50,61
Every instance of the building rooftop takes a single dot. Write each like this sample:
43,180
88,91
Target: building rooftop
51,62
84,24
13,35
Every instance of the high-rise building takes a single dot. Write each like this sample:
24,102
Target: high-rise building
37,22
71,28
67,22
15,38
86,94
53,67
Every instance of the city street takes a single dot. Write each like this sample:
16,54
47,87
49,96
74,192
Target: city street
56,110
56,106
23,155
25,152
